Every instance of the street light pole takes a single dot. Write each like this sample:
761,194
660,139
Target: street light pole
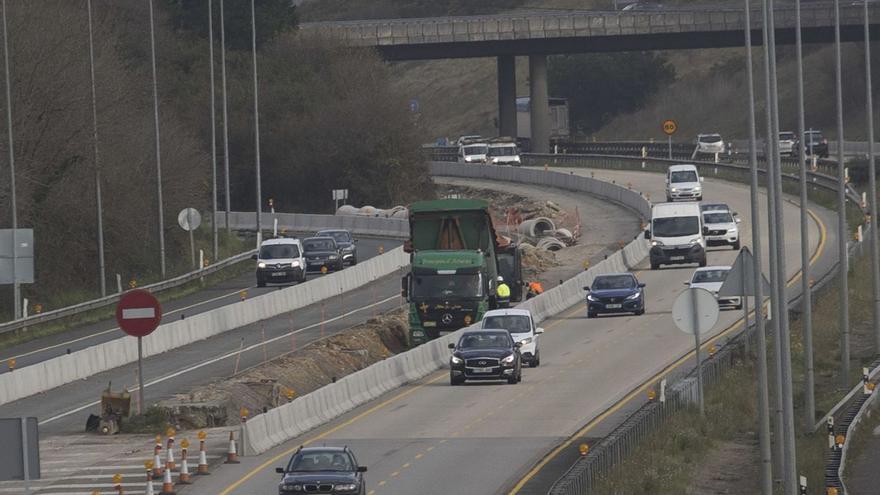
842,230
257,125
213,131
872,183
98,200
225,119
16,288
158,146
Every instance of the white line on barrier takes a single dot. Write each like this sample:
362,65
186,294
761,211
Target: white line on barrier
225,356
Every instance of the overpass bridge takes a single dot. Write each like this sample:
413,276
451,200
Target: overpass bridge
537,34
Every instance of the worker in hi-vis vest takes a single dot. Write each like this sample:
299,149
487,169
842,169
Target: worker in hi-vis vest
502,293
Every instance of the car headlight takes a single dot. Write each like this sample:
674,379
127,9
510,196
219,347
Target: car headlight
526,341
348,249
291,488
261,265
516,159
592,298
509,359
346,487
635,296
656,243
295,263
674,189
455,360
696,241
698,189
334,256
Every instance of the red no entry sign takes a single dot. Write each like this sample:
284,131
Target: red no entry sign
138,313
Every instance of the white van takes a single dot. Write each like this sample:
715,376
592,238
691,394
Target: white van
683,182
676,234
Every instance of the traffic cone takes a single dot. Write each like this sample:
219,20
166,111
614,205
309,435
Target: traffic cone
157,460
169,460
203,455
183,478
231,454
149,490
167,484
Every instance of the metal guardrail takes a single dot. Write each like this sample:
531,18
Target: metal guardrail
106,301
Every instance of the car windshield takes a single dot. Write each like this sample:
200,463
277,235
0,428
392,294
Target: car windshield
337,235
786,136
279,251
709,276
710,138
813,136
676,226
475,150
717,217
714,206
319,245
440,286
684,176
485,340
502,151
321,461
611,282
511,323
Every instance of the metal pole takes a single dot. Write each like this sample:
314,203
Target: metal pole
16,288
140,408
806,290
213,132
842,230
225,120
696,317
784,351
256,124
670,146
872,184
25,455
99,203
158,147
192,244
775,306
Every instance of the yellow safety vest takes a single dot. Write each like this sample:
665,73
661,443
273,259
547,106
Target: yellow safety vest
503,291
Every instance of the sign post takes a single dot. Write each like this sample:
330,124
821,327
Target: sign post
669,127
339,194
138,313
189,220
695,312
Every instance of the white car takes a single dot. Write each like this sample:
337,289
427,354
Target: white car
710,143
683,182
711,278
503,153
280,260
471,152
721,228
521,325
787,142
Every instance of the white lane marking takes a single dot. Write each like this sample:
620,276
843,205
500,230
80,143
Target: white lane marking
225,356
138,313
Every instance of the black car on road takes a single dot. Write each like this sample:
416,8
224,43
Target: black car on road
346,243
332,470
615,293
322,252
814,144
485,355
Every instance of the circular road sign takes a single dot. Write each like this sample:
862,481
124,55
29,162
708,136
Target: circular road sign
138,313
669,127
189,219
683,311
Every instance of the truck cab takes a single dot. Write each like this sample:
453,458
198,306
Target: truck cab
676,234
503,151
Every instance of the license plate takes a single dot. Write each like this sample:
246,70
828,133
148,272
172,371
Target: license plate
482,370
613,306
676,258
279,274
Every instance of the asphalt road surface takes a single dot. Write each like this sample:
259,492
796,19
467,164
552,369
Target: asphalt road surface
430,438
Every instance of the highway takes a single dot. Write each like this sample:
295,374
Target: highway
206,299
428,437
65,409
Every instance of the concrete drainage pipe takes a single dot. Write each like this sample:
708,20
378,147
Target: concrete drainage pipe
537,227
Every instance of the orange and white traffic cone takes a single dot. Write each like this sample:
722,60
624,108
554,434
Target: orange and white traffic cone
169,460
117,484
157,460
149,489
167,483
203,455
232,454
183,478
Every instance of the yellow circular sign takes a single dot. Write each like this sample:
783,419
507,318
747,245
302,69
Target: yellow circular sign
669,127
324,270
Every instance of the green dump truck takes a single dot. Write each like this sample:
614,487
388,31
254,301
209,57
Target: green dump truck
454,262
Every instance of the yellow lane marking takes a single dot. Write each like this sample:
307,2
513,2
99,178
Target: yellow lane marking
395,474
639,390
405,466
419,456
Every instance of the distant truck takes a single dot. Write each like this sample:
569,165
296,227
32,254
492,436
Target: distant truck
455,256
503,151
559,129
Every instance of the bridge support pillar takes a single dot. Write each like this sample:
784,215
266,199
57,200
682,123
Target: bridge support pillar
507,96
539,104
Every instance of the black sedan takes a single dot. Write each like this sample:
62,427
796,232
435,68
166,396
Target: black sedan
322,252
345,242
332,470
485,355
615,293
814,144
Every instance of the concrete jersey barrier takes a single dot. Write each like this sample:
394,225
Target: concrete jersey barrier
288,421
397,228
46,375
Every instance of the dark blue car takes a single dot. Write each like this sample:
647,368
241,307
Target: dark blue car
615,293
